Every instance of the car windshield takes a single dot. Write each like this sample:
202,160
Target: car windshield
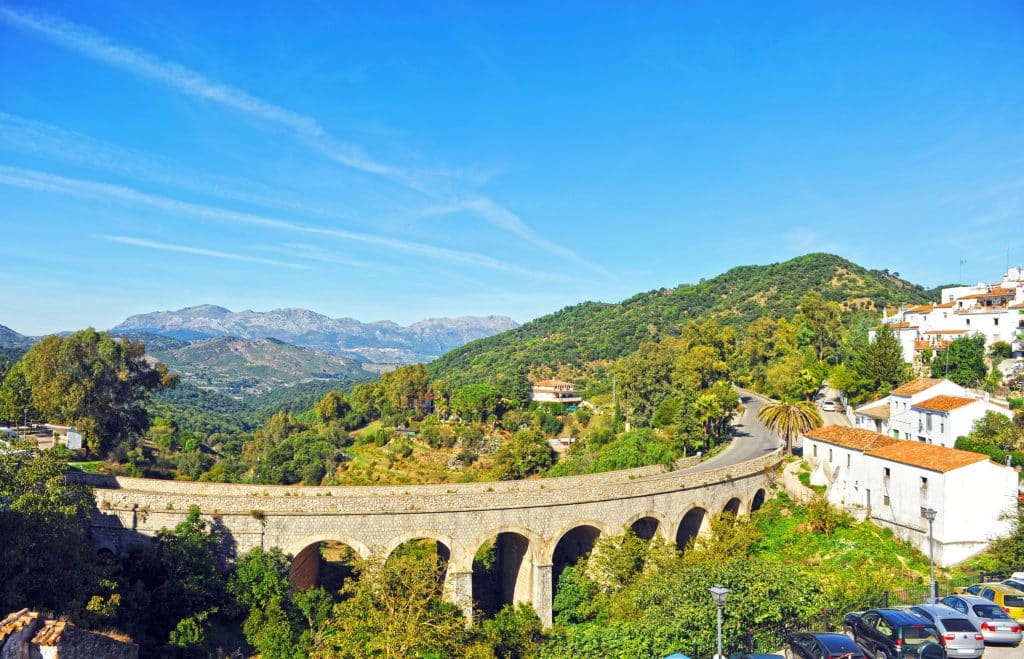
1013,600
990,611
958,625
918,634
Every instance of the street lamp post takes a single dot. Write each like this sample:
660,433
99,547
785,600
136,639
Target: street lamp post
718,594
929,514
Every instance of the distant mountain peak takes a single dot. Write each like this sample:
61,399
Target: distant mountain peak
381,341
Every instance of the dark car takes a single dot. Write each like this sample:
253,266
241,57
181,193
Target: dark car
894,634
804,645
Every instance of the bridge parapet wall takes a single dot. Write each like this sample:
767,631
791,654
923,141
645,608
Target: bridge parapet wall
122,493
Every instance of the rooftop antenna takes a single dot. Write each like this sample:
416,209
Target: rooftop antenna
960,279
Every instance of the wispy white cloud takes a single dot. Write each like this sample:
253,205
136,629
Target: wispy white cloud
197,251
305,128
504,219
186,81
44,182
41,139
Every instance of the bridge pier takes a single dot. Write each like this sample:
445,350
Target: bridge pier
543,592
458,589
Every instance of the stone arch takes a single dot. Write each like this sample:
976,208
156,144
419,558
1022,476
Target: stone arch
758,500
440,538
308,563
733,506
572,544
507,576
693,524
646,524
450,556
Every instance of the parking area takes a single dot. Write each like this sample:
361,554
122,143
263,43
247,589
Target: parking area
1003,652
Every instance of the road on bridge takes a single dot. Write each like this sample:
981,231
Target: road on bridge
751,439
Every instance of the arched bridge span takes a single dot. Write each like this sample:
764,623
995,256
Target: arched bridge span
537,527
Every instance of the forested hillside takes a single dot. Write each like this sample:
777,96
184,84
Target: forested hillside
595,331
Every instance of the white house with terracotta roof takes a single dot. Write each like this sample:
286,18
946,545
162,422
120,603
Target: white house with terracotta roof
929,410
992,310
555,391
892,482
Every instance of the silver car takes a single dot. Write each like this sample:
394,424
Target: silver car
961,637
995,625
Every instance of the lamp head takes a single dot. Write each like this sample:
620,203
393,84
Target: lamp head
929,514
719,593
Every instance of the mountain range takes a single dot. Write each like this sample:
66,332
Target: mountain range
240,367
380,342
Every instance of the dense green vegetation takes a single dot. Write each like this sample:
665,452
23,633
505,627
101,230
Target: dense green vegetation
788,566
594,331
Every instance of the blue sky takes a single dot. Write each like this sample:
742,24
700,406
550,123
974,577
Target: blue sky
404,160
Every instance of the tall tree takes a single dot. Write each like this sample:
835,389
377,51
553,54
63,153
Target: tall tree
789,420
963,361
822,321
880,363
94,382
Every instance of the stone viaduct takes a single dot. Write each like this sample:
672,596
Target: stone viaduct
538,526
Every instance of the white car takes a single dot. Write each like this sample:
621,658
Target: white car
828,406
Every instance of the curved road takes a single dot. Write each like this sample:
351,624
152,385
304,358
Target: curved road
750,439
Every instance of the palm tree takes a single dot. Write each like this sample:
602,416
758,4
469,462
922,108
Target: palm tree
790,419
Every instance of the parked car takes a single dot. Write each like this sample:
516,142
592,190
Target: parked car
828,406
1008,598
894,634
961,637
805,645
1014,583
995,625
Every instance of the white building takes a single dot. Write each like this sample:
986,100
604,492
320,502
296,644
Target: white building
929,410
555,391
893,482
992,310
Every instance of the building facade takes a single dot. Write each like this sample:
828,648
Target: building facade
995,310
894,482
929,410
555,391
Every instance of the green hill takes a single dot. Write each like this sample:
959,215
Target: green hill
235,366
593,331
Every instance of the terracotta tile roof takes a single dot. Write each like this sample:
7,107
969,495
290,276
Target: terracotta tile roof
552,383
15,622
946,332
876,412
1017,306
927,456
915,386
50,633
944,403
924,308
946,305
995,292
855,438
922,344
902,325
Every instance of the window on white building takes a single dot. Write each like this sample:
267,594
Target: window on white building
995,321
924,484
885,499
886,472
830,456
942,425
815,450
847,460
928,422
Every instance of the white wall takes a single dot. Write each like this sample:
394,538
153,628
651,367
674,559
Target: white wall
970,502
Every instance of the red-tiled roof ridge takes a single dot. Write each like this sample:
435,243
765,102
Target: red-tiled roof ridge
915,386
551,383
927,456
945,403
855,438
